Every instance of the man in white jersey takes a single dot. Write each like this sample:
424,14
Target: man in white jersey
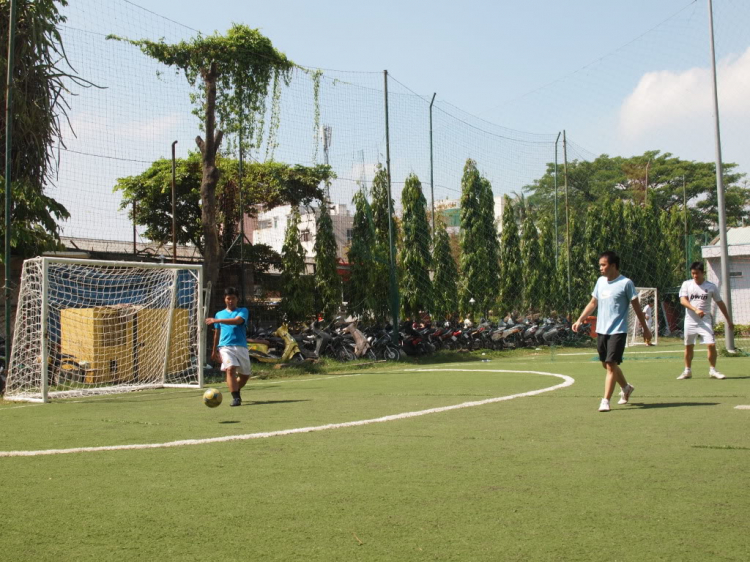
613,293
696,295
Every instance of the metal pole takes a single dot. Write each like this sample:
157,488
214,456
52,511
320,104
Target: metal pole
725,280
240,177
391,237
567,217
432,170
8,198
174,208
135,231
557,239
685,219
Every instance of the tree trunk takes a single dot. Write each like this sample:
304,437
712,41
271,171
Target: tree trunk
213,254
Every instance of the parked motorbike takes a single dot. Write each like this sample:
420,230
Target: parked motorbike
270,350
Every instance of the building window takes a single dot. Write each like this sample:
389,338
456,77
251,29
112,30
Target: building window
349,234
275,222
305,235
734,274
262,225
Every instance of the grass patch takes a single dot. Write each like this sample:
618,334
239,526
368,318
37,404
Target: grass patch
546,477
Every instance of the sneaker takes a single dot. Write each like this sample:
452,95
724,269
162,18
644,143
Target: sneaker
604,406
685,375
625,394
236,402
714,374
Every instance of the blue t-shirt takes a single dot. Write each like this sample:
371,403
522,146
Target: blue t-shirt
613,298
232,334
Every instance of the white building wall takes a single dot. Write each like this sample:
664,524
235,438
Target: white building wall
271,228
739,271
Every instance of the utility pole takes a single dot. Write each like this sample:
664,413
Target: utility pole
726,289
391,236
174,206
557,239
567,218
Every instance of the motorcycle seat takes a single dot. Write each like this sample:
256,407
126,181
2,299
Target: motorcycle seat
261,342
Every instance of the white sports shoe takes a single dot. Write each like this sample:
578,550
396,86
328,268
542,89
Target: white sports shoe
625,394
714,374
685,375
604,405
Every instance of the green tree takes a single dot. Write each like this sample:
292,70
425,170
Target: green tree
360,257
474,248
269,184
610,178
296,288
236,71
40,106
548,296
381,250
444,284
327,280
533,276
489,228
415,257
510,264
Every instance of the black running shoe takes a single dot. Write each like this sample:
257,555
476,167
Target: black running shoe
236,402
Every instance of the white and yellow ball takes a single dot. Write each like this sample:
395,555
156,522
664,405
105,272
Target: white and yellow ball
212,398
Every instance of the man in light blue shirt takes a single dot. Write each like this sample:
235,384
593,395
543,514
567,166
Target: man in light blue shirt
613,293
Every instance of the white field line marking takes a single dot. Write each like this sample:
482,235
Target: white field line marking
742,407
567,381
627,352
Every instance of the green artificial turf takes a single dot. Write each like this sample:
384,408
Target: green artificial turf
545,477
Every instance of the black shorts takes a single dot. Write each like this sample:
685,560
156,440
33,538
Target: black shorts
611,347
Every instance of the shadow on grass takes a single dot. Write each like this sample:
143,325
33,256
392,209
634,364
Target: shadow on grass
649,406
268,402
230,421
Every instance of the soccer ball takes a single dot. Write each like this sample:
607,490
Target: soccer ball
212,398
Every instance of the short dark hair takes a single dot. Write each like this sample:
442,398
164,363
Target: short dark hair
612,258
231,291
697,266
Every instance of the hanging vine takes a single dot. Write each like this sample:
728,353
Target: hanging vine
316,75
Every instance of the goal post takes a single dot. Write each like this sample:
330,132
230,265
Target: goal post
647,297
92,327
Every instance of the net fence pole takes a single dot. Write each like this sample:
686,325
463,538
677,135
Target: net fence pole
391,241
432,169
8,196
725,281
174,207
567,219
557,236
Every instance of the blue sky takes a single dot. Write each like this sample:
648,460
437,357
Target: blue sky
620,77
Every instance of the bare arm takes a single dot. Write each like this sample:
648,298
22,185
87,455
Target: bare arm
635,303
686,303
725,312
236,321
215,350
591,307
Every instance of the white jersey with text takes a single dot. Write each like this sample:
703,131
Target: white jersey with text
700,297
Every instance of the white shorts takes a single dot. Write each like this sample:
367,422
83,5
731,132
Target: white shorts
235,356
692,332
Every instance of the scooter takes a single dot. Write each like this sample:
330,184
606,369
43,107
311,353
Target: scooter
263,350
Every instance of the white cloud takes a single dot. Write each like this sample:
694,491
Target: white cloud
674,110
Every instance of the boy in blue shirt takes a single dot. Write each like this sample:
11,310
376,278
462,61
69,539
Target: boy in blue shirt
230,343
612,295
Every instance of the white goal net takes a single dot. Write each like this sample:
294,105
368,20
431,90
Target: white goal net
88,327
648,297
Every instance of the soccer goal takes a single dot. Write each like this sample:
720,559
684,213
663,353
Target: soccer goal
88,327
648,297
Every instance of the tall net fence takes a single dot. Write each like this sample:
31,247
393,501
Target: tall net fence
522,216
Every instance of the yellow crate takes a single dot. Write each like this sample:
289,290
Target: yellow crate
99,339
105,341
152,323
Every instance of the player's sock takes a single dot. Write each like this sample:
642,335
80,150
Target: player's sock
236,394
